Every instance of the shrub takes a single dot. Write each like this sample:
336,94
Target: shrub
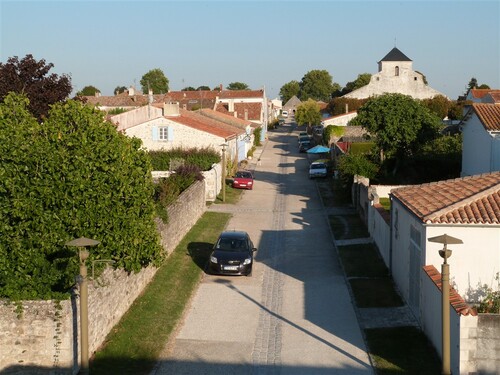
257,134
203,158
72,176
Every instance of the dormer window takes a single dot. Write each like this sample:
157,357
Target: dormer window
397,71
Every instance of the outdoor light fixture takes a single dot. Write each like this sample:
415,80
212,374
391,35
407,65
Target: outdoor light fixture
224,147
445,253
82,243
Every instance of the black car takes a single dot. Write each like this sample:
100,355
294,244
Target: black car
304,146
232,254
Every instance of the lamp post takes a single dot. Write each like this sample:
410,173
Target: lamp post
224,147
445,253
81,243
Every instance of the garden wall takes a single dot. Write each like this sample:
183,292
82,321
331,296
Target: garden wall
43,336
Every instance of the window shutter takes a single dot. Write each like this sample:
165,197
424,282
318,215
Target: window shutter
154,133
170,133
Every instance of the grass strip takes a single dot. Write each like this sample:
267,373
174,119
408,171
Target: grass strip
402,350
135,343
374,292
362,260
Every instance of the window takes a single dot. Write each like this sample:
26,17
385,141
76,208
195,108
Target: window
397,70
163,133
415,78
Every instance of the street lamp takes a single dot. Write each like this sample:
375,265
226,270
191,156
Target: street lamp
445,253
224,147
81,243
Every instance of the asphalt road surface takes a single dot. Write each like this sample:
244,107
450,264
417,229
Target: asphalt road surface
294,315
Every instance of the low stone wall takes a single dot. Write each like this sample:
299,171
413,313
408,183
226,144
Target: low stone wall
43,338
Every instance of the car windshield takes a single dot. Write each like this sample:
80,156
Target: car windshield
231,244
318,166
244,174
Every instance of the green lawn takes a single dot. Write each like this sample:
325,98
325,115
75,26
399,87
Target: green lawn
134,344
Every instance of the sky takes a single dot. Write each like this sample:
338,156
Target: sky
265,44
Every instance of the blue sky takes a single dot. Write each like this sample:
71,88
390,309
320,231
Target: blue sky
261,43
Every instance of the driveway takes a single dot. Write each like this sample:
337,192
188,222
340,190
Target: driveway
294,315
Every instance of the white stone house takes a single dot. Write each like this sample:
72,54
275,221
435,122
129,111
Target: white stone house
169,127
481,139
395,75
466,208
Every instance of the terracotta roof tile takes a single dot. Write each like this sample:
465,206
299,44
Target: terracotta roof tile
468,200
203,123
456,301
228,119
495,95
253,110
232,94
489,115
480,93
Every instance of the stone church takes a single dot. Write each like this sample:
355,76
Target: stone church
395,75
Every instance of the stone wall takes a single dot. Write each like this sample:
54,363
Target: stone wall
43,336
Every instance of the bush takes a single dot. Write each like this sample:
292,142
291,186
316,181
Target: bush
203,158
257,135
72,176
168,189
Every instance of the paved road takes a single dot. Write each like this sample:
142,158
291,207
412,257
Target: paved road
294,315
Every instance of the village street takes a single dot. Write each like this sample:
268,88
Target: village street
294,314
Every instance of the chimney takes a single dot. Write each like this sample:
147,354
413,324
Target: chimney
131,91
171,109
346,108
246,114
220,87
150,96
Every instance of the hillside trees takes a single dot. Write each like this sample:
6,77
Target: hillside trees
30,77
72,176
155,80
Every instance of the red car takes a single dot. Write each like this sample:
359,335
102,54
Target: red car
243,180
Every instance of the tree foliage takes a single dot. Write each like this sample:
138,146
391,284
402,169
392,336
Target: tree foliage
338,106
357,164
289,90
400,123
237,86
119,90
72,176
88,91
362,80
439,105
155,80
31,78
308,113
203,88
188,88
317,85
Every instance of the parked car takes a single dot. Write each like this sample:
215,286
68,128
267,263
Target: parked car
304,146
232,254
318,169
243,180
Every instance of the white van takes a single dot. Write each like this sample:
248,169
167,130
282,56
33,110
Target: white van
284,113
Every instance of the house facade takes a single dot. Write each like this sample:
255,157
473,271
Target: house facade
466,208
481,139
339,120
396,75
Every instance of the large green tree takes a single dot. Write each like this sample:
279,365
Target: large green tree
88,91
32,78
289,90
317,85
155,80
72,176
308,113
401,124
237,86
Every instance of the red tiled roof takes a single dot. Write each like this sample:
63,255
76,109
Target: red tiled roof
228,119
120,100
495,95
456,301
480,93
203,123
253,110
467,200
489,115
232,94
